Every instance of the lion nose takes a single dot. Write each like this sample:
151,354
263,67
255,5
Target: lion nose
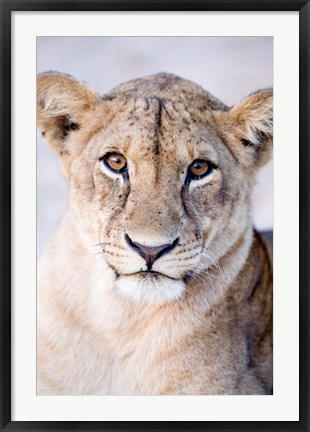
151,253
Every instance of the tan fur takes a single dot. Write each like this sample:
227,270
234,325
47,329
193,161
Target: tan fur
203,323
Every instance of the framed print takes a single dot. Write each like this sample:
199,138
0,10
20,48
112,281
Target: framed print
154,186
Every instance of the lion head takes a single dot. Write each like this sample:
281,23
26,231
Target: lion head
159,173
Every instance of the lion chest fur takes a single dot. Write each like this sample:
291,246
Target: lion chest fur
197,320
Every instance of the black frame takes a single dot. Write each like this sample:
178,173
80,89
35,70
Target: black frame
8,6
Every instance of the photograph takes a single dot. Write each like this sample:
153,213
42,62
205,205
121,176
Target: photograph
154,215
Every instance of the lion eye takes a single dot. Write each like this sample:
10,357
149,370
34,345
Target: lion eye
199,168
115,161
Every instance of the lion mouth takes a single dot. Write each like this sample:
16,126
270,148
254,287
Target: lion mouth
150,274
151,286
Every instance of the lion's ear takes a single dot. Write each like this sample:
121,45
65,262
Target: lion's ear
62,103
248,128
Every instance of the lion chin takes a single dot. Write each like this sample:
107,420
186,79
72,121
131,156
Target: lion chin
150,287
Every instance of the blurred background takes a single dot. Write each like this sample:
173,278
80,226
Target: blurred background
228,67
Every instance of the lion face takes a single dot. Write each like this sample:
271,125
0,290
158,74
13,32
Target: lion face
159,172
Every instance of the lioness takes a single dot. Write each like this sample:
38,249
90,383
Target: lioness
155,282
